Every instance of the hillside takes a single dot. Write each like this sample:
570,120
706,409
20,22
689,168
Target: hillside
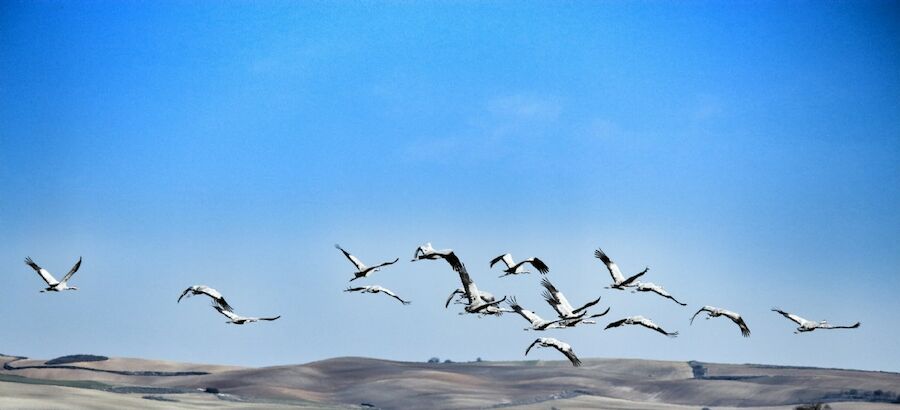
351,381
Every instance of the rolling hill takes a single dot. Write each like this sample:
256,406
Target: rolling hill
353,382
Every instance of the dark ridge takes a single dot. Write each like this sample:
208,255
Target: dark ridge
159,398
700,373
7,366
146,390
733,378
75,358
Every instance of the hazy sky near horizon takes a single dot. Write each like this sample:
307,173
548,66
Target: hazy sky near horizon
748,153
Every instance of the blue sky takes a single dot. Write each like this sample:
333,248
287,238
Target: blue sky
747,153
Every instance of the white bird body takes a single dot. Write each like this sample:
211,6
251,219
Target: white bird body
562,347
486,297
513,268
476,303
54,285
712,311
461,298
537,323
809,325
640,321
236,319
652,287
215,295
362,270
377,289
426,251
564,309
619,280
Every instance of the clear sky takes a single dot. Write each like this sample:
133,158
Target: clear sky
749,153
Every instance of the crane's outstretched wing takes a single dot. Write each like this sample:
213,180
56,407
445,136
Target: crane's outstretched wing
454,261
650,325
46,276
703,309
418,251
554,303
353,259
506,258
450,298
538,264
666,295
72,271
586,305
187,292
356,289
215,295
468,285
530,316
599,314
394,295
631,279
853,326
536,341
615,324
794,318
741,324
569,354
386,263
611,266
228,313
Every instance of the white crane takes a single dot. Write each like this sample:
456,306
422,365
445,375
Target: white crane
476,303
485,297
537,323
362,270
641,321
563,348
377,289
54,285
461,299
426,251
619,280
712,311
652,287
808,325
513,268
564,309
236,319
208,291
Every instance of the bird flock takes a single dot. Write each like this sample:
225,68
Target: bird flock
482,303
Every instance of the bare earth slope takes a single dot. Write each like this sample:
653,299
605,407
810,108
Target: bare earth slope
349,382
